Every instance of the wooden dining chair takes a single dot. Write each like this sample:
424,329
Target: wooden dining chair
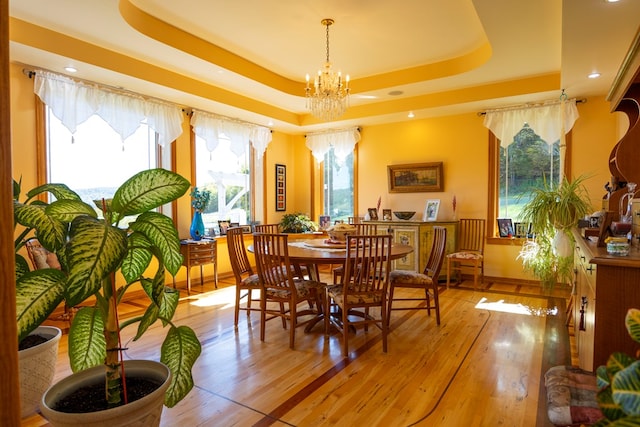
364,287
267,228
279,285
355,219
247,281
470,251
362,229
427,280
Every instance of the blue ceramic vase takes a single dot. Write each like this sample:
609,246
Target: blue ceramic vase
197,226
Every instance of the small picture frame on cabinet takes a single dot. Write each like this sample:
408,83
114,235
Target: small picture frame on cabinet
386,214
431,210
373,214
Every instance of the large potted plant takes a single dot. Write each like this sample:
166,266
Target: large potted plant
553,211
619,382
91,251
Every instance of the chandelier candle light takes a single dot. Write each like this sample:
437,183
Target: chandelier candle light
330,97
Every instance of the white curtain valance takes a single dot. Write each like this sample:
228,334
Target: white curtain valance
209,127
343,142
74,102
550,122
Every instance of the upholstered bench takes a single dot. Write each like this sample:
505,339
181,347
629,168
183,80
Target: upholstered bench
571,396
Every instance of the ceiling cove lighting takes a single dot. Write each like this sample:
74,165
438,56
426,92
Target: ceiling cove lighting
330,97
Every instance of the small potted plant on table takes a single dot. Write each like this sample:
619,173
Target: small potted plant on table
91,251
297,223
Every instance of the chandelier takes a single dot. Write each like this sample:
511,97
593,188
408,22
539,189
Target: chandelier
330,97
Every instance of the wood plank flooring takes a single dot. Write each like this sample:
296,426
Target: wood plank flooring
483,366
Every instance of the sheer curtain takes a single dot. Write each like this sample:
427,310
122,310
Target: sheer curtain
551,121
210,126
343,142
73,102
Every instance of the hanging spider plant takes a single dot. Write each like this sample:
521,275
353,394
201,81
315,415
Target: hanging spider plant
553,211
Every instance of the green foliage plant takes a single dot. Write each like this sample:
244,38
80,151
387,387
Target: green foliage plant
619,382
92,251
297,223
553,209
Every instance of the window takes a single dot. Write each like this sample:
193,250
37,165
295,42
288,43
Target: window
94,161
522,166
338,186
226,172
525,165
524,151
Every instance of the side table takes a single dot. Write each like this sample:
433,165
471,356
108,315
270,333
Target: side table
199,253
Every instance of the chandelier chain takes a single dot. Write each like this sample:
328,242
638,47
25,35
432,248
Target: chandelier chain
328,23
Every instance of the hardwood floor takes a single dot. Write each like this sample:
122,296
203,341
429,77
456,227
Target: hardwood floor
483,366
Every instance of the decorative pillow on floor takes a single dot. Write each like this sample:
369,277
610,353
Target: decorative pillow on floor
571,396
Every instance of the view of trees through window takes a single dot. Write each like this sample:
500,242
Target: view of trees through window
530,162
338,186
227,176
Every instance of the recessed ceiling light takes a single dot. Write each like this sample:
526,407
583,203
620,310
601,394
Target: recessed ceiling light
411,115
594,75
70,69
396,92
612,1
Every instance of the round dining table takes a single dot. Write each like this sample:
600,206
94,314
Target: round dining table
314,252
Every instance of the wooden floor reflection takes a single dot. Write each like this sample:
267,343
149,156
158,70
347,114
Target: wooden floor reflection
483,365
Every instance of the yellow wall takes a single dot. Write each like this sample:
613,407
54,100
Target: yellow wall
459,141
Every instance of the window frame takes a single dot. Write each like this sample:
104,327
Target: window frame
494,182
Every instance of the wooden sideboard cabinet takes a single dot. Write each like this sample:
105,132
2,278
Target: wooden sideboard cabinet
418,234
199,253
606,288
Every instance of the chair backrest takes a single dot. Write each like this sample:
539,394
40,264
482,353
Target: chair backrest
471,234
238,254
272,261
367,263
436,257
366,229
267,228
40,257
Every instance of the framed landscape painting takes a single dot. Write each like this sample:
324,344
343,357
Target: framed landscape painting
415,178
